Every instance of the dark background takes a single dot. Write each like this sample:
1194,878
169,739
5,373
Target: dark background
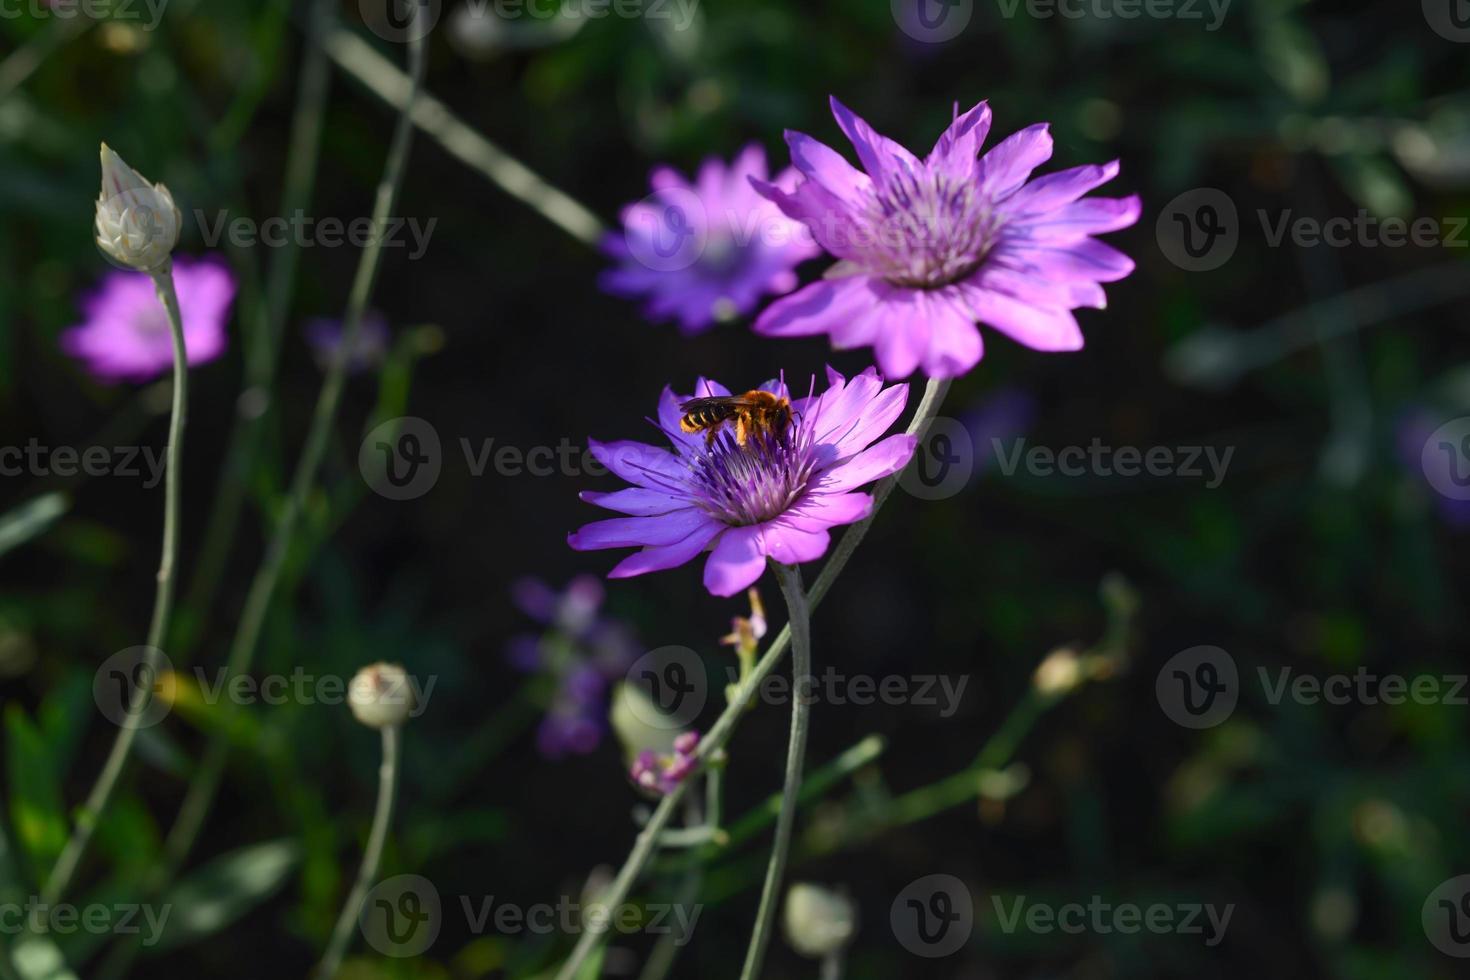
1326,826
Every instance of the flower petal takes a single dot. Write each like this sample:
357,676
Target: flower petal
736,561
960,143
636,501
1037,327
633,532
667,556
1007,166
640,463
874,463
793,545
819,510
817,308
881,157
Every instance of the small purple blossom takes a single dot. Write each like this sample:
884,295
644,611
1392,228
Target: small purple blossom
776,497
707,251
126,336
929,247
663,773
581,650
324,336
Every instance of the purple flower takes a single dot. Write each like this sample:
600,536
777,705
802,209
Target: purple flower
324,335
709,250
1415,427
581,650
777,496
663,773
126,334
928,247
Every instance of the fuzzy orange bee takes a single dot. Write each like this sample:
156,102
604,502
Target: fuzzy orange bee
753,412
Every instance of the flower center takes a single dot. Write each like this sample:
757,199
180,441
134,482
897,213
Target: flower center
928,230
750,484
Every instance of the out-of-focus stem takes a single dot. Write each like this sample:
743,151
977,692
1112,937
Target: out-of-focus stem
372,855
356,57
101,794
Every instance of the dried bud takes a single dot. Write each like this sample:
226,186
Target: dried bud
1059,673
818,921
380,696
137,222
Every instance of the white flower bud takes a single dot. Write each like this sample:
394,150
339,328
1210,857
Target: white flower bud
1059,673
380,696
137,222
639,724
818,921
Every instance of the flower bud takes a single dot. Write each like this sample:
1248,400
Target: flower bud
380,696
137,222
1059,673
640,725
818,921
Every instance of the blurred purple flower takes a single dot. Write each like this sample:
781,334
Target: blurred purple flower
777,496
581,650
126,335
324,336
928,247
707,251
663,773
1414,429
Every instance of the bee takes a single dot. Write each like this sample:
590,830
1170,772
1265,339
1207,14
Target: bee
753,412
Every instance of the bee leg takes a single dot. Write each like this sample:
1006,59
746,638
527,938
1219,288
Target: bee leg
742,433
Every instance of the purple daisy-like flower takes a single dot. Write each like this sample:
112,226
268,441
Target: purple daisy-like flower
707,251
126,333
776,497
929,247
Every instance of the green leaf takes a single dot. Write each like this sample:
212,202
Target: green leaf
36,808
224,890
30,520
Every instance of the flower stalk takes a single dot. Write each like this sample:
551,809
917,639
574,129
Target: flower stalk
799,620
122,747
382,819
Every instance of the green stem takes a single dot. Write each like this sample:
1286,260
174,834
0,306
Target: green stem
203,788
647,840
801,673
372,856
101,794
